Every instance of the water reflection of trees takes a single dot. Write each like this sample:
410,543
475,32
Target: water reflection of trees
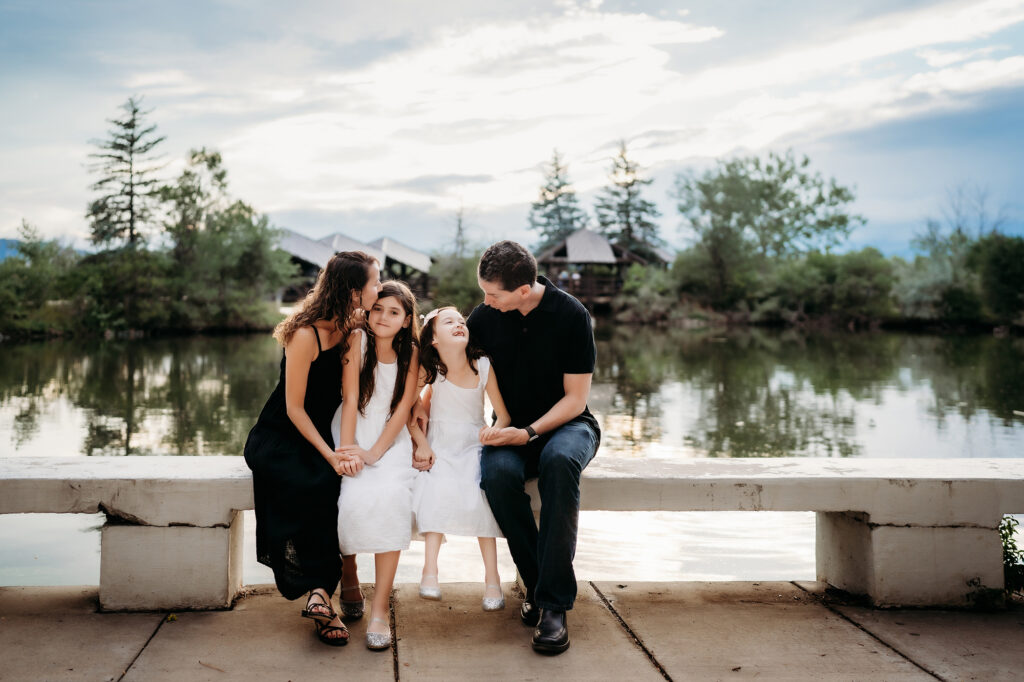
771,393
175,396
739,394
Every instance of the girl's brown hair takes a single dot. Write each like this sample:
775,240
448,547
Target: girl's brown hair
403,343
430,360
331,296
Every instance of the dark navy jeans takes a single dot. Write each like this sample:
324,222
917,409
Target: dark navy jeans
543,556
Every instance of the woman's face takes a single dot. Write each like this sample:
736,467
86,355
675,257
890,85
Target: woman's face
367,296
450,330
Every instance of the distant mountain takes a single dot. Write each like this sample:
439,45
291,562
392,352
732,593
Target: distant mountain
8,247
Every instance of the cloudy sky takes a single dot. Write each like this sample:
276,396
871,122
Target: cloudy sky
383,118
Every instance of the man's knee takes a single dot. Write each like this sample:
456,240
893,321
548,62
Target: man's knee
501,468
568,452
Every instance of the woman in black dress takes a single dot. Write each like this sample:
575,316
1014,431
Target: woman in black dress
295,469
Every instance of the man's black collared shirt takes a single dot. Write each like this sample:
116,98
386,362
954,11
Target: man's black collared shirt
531,353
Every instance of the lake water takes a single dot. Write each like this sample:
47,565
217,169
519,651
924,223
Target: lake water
658,394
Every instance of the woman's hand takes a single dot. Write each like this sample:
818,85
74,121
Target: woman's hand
423,458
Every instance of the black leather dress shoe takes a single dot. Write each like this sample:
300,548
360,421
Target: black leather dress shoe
552,634
529,613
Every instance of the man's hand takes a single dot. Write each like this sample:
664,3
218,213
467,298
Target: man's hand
510,435
423,458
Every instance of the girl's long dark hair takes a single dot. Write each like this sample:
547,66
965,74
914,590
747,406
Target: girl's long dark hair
403,343
430,361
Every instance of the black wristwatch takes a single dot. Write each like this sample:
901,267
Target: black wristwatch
531,433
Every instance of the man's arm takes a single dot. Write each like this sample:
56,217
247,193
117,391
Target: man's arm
572,404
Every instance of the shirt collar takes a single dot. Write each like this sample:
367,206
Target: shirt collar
547,302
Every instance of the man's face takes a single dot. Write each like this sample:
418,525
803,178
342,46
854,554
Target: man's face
498,298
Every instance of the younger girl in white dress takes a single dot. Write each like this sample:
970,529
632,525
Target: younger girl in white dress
447,497
379,385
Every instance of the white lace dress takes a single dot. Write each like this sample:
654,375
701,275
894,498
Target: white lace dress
375,506
448,498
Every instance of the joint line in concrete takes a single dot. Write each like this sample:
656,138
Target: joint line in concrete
394,633
163,619
629,631
870,634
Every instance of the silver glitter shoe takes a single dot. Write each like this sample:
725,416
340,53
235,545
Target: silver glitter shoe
432,593
378,641
494,603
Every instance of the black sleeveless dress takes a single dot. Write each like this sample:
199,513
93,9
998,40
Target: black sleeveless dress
295,489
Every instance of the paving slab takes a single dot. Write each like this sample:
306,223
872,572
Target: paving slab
56,633
262,638
954,645
770,630
454,639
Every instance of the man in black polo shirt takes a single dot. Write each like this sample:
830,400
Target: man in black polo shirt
541,344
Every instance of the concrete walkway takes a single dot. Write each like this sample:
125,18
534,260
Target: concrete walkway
636,631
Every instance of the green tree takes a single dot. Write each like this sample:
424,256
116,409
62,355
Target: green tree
942,282
1000,263
623,215
456,282
128,179
33,282
556,213
748,212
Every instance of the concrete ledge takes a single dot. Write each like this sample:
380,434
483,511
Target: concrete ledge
902,531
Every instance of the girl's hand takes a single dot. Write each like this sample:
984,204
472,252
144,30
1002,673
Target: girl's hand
510,435
364,456
345,465
423,458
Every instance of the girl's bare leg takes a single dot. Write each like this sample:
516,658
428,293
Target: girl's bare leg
386,564
489,552
432,549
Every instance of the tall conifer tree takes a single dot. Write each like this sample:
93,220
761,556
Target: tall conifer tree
623,215
556,214
128,179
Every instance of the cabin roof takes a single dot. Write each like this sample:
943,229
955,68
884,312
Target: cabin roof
342,242
403,253
305,249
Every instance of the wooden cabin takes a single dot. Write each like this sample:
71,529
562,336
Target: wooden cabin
590,267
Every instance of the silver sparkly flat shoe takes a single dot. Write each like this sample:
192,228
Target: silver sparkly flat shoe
494,603
378,641
432,593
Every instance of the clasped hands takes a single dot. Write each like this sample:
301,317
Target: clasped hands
509,435
348,460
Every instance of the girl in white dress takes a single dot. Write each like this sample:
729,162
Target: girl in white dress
379,386
447,497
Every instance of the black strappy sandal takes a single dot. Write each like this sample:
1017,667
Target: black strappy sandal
323,632
319,616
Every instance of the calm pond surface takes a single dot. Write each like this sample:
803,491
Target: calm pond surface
657,393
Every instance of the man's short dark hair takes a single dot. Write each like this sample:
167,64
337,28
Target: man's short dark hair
509,263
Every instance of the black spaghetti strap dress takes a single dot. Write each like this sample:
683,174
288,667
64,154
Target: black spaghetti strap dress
295,489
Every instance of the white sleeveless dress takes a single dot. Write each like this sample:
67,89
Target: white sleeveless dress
448,498
375,506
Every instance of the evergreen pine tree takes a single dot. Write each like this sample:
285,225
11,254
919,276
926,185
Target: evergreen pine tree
623,215
556,213
127,178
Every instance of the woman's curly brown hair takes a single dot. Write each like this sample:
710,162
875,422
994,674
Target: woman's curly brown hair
405,340
331,296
